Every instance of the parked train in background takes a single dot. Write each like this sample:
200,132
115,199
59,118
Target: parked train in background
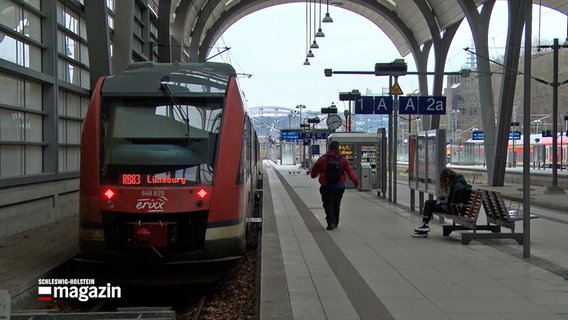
472,152
169,166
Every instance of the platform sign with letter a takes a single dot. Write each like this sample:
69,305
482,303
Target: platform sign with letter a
373,105
422,105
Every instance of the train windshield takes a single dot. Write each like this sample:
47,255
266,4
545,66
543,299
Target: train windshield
159,142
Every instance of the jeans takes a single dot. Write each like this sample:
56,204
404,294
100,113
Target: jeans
331,198
431,206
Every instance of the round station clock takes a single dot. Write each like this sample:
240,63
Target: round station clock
333,121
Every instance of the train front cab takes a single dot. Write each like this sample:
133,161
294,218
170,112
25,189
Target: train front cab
152,215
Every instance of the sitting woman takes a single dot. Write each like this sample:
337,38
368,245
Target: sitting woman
454,188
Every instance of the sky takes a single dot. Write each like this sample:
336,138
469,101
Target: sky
270,46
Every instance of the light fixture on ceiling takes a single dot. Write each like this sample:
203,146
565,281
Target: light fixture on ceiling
314,45
308,34
327,18
319,33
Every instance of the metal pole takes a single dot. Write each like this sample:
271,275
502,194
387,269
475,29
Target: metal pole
554,187
350,121
555,113
395,149
514,151
390,151
526,138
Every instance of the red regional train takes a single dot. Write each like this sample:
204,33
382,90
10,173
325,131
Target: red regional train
169,166
540,151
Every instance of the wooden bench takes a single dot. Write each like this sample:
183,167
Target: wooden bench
468,219
500,215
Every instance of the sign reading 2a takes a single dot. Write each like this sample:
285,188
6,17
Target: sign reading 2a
422,105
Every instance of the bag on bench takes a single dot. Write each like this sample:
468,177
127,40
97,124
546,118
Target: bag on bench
459,200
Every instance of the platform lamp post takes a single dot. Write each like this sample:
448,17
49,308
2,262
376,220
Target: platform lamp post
554,188
311,121
300,107
354,95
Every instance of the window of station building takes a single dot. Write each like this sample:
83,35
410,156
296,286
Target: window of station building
71,111
34,3
110,16
20,35
73,58
19,52
67,18
20,20
19,160
21,127
139,27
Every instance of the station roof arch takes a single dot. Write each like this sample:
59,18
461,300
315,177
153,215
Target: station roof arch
198,24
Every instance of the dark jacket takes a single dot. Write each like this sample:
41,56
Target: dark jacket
321,165
457,184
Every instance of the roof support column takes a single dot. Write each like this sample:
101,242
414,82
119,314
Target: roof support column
178,32
122,44
509,80
441,49
421,60
99,39
479,24
164,47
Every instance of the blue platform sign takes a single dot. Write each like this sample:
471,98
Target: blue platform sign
477,135
516,135
373,105
290,135
422,105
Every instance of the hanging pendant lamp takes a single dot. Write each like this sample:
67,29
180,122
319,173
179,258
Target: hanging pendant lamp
314,45
327,18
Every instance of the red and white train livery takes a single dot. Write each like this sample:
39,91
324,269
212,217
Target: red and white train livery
169,166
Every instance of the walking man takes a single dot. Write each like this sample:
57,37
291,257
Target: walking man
332,168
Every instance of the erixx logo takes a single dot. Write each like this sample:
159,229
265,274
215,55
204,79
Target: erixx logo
152,204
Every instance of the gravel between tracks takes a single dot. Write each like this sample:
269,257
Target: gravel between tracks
234,296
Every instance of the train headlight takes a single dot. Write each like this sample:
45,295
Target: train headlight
202,193
109,194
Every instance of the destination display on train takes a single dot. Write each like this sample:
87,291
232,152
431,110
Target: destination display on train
134,179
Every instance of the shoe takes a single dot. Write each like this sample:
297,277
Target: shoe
423,228
419,234
330,226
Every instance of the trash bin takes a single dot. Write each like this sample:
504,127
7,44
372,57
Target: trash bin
366,177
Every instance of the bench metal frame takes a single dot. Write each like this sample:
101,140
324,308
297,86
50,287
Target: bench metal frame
468,221
499,214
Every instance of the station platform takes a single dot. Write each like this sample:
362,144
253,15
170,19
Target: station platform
369,267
